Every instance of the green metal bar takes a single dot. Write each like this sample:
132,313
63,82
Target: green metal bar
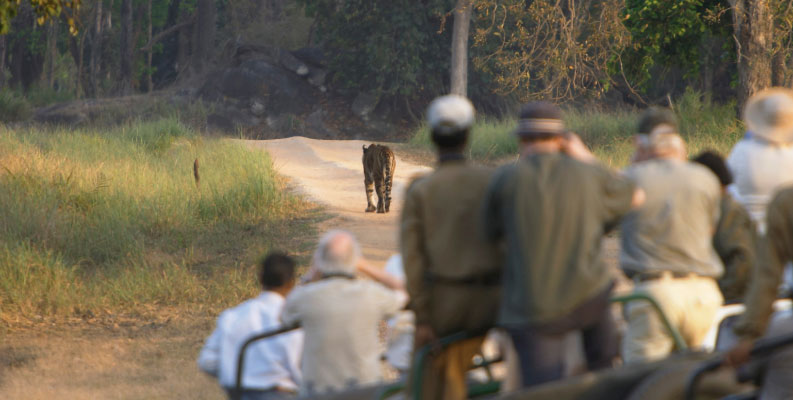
673,332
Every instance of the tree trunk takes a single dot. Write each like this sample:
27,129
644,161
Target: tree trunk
204,35
459,68
96,48
126,51
2,61
149,83
50,54
753,26
183,47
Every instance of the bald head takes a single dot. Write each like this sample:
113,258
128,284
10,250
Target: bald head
338,252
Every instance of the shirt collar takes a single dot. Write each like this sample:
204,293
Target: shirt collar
270,296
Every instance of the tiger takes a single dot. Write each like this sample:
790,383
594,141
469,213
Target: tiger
379,164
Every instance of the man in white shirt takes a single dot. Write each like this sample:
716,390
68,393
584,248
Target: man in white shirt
340,315
272,366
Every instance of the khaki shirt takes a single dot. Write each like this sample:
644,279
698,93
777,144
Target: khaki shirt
673,230
551,212
452,273
340,319
775,250
735,242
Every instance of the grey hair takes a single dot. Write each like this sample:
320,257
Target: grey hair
338,252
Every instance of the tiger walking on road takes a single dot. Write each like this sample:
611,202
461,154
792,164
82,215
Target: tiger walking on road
379,164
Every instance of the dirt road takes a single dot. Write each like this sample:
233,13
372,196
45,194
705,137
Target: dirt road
154,357
330,172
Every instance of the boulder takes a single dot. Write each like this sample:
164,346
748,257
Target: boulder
363,105
314,56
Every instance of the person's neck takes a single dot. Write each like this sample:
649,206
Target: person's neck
540,148
281,291
450,155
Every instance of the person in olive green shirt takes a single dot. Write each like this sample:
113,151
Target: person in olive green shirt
452,275
775,251
735,239
550,211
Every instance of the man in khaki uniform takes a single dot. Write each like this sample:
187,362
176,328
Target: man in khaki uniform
776,250
452,274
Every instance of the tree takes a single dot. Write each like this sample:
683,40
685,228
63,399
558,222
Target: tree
754,28
459,69
204,34
44,10
126,48
548,49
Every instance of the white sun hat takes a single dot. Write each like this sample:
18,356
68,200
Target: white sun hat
450,114
769,115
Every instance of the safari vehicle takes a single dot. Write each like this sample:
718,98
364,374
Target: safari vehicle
687,374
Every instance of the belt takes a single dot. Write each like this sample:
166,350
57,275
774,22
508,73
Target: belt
477,280
653,275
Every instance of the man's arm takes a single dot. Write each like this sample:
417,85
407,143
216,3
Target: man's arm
209,358
774,251
414,258
380,276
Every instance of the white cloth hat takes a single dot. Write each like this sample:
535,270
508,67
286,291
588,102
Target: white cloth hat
769,115
450,114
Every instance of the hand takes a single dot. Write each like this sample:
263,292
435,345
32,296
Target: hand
575,148
423,335
739,354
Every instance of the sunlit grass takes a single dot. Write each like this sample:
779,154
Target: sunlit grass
609,134
114,219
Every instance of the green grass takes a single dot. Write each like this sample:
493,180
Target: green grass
113,220
609,134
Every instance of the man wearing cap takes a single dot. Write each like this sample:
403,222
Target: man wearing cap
550,211
452,275
667,250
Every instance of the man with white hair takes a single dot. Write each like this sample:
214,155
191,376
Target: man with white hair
340,315
667,249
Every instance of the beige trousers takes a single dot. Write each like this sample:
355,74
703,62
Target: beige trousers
689,303
444,376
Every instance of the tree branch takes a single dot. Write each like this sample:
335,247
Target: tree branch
166,32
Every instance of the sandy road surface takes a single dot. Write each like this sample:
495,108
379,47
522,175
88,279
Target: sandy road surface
330,172
155,359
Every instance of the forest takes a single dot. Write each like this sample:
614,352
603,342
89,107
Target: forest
609,52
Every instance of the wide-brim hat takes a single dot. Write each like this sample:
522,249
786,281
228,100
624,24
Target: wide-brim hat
540,118
769,115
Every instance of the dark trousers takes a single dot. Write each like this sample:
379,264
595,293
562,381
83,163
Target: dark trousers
540,348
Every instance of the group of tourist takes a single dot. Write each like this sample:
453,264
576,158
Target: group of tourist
519,248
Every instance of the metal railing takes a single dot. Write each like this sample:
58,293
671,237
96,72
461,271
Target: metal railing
236,393
680,344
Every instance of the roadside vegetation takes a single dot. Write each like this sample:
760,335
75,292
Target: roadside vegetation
103,222
703,124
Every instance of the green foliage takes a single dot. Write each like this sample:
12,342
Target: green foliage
671,32
44,9
115,219
387,47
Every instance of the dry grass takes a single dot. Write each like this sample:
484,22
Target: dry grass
112,221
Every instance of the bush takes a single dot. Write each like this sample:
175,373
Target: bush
13,107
